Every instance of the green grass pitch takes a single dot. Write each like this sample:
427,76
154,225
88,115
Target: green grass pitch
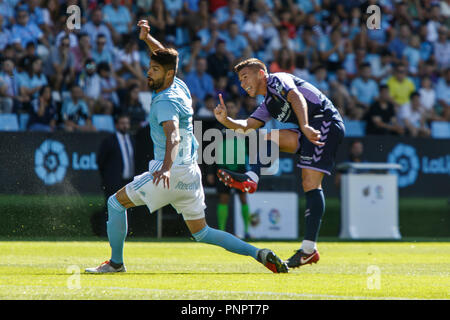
191,271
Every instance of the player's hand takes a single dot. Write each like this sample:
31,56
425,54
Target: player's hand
312,135
145,29
163,175
220,111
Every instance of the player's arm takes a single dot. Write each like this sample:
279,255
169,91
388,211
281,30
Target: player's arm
144,35
173,139
300,107
241,125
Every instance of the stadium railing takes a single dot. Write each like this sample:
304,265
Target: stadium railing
9,122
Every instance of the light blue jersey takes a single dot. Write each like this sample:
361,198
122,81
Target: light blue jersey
173,103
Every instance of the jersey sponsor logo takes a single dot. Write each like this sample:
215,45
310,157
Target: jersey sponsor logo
188,186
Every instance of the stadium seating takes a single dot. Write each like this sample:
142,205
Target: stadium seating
103,122
440,129
23,121
9,122
355,128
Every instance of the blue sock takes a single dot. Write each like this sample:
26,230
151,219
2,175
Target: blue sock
117,228
315,207
226,241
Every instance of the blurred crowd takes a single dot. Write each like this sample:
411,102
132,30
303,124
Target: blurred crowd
395,78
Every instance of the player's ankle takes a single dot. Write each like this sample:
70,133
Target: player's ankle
115,265
253,176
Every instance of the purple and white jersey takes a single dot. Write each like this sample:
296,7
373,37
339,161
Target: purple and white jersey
276,106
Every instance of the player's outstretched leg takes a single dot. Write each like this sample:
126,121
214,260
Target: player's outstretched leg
287,140
241,181
117,231
233,244
315,208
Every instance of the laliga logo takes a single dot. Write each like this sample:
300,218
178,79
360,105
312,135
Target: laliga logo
406,156
51,162
274,216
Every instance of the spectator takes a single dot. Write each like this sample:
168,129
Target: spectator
412,117
134,108
341,97
75,112
235,43
9,79
209,35
219,61
60,66
173,7
253,30
7,10
284,61
66,32
25,31
433,24
411,55
381,74
442,48
332,50
160,20
300,69
90,82
6,98
443,94
306,45
199,82
118,19
400,87
82,52
95,26
43,115
249,105
319,79
129,67
281,40
428,99
426,47
207,110
399,43
364,89
221,87
101,53
5,35
230,14
32,80
381,117
109,84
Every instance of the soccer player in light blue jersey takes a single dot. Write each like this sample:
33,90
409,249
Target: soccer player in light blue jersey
174,176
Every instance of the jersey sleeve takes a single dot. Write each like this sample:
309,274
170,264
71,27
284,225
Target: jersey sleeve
166,110
261,113
280,84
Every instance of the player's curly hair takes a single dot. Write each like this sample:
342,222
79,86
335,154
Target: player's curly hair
251,63
166,57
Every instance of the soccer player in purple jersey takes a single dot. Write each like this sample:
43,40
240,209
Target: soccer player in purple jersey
289,99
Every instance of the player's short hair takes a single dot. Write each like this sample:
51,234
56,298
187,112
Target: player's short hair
166,57
250,63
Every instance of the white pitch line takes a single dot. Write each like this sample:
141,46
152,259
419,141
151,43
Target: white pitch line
264,293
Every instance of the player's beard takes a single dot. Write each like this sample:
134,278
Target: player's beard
155,84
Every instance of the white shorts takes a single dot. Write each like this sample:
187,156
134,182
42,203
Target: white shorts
185,193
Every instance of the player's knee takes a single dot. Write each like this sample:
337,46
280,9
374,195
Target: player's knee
309,184
113,202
